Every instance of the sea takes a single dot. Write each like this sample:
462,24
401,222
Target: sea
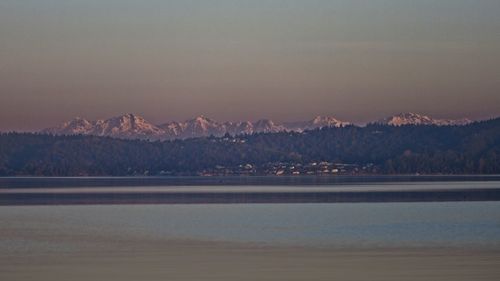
343,225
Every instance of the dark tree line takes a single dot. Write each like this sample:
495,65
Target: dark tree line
471,149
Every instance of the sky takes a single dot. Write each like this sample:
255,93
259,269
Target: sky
357,60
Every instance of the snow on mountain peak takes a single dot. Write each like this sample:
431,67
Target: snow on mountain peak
327,121
124,126
73,127
131,126
201,126
127,126
411,118
315,123
267,126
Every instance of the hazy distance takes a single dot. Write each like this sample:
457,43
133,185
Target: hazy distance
245,60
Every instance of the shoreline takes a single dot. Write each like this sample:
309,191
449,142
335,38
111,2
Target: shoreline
14,198
109,181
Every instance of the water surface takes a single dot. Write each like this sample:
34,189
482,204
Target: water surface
347,241
454,224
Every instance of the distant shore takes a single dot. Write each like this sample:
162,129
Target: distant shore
237,190
43,182
194,197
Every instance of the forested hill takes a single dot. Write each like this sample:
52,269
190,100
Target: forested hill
471,149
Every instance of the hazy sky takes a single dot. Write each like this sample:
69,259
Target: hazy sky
235,59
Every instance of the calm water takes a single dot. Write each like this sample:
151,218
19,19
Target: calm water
457,224
45,182
25,229
263,187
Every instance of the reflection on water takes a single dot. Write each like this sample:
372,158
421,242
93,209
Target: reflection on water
374,186
51,182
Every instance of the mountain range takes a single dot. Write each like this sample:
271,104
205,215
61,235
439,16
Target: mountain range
131,126
349,150
418,119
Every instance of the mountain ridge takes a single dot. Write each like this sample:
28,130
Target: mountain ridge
351,150
131,126
410,118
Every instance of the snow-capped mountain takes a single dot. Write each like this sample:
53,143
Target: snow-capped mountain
127,126
173,129
130,126
73,127
326,121
238,128
267,126
317,122
200,126
418,119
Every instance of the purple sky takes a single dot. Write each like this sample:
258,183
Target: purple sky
358,60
